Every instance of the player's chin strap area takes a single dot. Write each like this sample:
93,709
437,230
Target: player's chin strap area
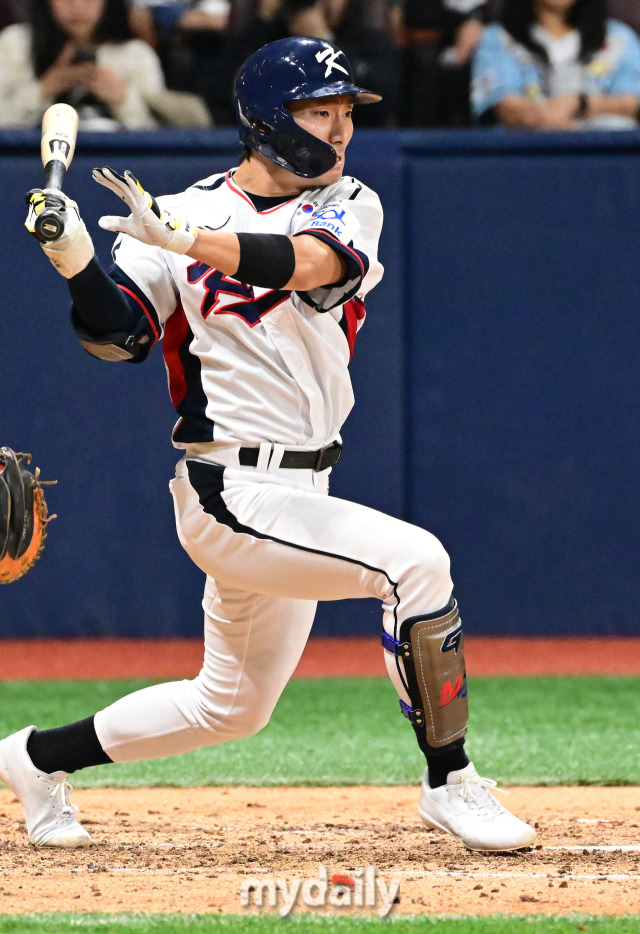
431,649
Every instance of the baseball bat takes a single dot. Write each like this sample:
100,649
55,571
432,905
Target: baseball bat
58,143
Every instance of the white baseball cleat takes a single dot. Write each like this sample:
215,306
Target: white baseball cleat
466,808
50,817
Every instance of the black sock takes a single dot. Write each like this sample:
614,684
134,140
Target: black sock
66,748
441,762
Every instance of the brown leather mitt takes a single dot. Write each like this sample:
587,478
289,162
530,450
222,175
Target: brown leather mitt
23,516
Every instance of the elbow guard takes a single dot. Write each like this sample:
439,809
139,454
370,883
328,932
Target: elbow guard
133,348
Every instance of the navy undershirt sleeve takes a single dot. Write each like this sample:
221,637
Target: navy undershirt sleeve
99,307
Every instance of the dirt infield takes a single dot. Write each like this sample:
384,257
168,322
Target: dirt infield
191,850
322,658
169,850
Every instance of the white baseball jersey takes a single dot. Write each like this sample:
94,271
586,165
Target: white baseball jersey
249,364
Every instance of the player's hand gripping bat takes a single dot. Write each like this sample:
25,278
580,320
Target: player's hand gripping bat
59,131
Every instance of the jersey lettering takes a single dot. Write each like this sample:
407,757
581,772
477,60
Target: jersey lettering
222,293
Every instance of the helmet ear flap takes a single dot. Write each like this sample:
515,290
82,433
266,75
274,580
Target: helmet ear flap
260,133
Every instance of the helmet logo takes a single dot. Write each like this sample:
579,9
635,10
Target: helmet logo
330,55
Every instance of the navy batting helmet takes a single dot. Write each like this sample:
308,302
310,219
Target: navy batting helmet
293,69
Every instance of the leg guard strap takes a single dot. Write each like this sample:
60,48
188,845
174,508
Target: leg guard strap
414,715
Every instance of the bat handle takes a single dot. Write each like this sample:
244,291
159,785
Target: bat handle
49,224
54,174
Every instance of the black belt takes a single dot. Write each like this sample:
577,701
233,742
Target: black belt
304,460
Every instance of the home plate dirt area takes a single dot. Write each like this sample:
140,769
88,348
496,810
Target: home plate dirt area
190,850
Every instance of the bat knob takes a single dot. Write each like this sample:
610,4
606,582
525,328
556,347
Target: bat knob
49,225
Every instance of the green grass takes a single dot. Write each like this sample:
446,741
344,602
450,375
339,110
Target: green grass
236,924
578,730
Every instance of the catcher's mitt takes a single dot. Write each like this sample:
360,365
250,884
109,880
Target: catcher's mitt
23,515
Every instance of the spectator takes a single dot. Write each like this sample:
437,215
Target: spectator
154,19
81,52
203,42
361,29
191,39
627,11
439,38
276,19
557,64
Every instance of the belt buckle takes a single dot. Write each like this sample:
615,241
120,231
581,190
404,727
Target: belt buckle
320,462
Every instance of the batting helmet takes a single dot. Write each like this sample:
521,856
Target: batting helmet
294,69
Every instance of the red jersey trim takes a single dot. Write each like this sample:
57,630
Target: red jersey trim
175,335
145,310
239,191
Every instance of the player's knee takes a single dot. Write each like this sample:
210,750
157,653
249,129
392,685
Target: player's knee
249,722
224,724
428,575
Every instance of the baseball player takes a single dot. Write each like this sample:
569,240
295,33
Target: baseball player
255,280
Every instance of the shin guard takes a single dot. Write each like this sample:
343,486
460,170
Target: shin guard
431,652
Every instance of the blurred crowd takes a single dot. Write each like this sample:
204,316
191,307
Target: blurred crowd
139,64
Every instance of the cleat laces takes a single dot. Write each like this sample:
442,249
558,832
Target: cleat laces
475,792
61,789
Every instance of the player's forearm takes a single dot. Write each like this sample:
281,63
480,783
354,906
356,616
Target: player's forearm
316,264
219,250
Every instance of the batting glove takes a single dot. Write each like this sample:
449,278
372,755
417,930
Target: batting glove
148,222
71,252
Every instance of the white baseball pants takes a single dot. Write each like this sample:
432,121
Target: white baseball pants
272,544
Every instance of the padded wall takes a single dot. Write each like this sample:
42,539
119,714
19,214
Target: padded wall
496,386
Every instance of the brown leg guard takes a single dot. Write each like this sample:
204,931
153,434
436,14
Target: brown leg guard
431,652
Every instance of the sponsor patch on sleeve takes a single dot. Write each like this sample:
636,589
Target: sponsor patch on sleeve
337,219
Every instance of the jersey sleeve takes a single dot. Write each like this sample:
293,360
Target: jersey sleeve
142,273
349,221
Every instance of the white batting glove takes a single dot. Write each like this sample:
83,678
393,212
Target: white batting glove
71,252
147,221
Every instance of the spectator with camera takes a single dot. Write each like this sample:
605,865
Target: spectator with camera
557,65
81,52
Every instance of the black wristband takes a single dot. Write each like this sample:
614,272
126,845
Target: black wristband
266,260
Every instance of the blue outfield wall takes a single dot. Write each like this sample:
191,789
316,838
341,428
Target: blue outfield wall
496,386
